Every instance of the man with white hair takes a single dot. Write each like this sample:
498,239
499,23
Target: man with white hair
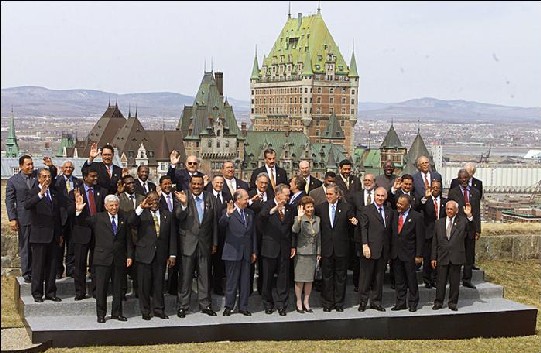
473,182
422,180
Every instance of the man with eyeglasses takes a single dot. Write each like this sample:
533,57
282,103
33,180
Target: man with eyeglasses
181,176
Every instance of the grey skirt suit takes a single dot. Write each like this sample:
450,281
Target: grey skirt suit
307,240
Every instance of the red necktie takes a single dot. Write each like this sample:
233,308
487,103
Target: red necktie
91,202
427,183
400,223
436,209
466,198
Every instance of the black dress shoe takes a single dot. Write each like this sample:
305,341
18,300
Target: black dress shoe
208,311
146,317
101,320
161,315
398,307
245,312
59,276
437,307
27,279
181,313
54,299
124,298
282,312
326,309
355,289
453,307
81,297
339,309
377,307
309,310
428,285
412,309
468,285
269,311
119,317
227,312
38,300
362,307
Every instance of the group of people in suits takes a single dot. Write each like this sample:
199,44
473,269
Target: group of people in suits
223,230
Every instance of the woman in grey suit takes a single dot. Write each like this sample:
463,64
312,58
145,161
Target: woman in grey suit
307,241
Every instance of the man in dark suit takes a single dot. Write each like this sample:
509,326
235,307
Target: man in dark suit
276,174
276,248
44,206
17,189
169,202
433,208
422,179
240,249
217,268
448,252
336,216
403,186
473,182
407,242
199,239
346,182
464,195
311,181
111,254
257,198
142,185
181,176
93,197
108,173
64,184
155,249
296,186
231,183
129,200
375,223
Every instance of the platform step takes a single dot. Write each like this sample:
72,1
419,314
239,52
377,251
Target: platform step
475,318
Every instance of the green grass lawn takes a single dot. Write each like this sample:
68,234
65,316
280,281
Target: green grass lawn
527,290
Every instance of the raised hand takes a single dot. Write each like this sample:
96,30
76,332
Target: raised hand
174,157
47,161
145,203
94,151
467,210
366,251
79,201
181,197
159,190
44,188
230,207
206,179
428,192
397,183
300,211
119,187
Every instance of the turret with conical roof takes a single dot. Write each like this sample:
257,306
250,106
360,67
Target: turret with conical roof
353,66
12,147
255,69
417,149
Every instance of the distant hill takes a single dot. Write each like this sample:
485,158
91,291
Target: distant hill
39,101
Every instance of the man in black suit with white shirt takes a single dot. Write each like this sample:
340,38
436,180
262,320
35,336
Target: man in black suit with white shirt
142,185
108,173
276,174
311,181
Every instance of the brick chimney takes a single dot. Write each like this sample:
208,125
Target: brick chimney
219,78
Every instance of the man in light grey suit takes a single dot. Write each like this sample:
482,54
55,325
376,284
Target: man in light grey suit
199,239
240,249
17,190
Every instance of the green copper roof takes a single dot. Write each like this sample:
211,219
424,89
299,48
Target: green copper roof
333,130
353,67
391,140
307,67
255,69
302,35
327,155
257,141
417,149
12,147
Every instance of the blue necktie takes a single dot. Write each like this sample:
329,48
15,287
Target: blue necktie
113,225
333,214
381,213
48,197
243,217
199,204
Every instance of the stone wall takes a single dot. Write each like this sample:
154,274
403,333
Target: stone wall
11,262
515,247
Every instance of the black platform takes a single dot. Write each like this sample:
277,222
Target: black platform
70,323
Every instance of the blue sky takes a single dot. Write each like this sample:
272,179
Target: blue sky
481,51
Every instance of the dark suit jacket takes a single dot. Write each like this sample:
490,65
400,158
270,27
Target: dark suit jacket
181,177
60,186
429,215
256,207
194,234
335,241
450,250
409,243
415,202
139,188
476,183
280,177
81,232
318,195
240,238
419,182
314,183
296,201
107,245
475,202
375,232
16,194
354,185
163,202
104,180
45,222
241,184
277,238
148,245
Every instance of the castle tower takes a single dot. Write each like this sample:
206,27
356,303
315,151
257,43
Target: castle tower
391,149
303,82
12,147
